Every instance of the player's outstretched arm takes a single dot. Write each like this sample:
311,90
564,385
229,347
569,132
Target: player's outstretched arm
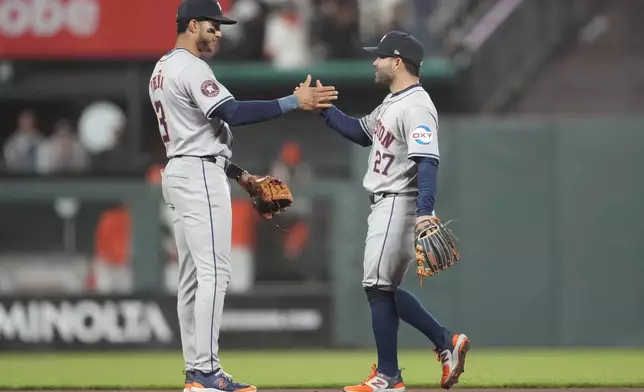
306,98
345,125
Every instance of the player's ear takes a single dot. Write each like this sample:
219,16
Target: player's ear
398,63
193,26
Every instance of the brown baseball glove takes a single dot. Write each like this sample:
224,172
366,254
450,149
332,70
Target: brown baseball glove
435,247
269,195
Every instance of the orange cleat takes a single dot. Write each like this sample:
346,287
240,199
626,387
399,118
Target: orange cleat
378,382
453,360
190,375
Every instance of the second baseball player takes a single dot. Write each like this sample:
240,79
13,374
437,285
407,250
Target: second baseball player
401,180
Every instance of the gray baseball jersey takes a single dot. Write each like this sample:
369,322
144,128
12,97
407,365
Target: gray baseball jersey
183,93
404,126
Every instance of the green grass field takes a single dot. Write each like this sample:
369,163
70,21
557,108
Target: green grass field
320,369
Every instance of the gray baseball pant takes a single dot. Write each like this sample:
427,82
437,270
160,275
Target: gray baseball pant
198,192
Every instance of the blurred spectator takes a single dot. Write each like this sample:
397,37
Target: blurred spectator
21,147
290,166
335,31
421,13
401,14
297,33
61,152
377,17
112,271
102,131
246,39
112,250
243,240
115,158
293,170
286,42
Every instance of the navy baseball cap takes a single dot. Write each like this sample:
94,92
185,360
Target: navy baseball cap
399,44
202,10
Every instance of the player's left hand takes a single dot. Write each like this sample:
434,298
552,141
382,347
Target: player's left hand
435,247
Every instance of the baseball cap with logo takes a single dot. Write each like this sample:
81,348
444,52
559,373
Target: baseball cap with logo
399,44
202,10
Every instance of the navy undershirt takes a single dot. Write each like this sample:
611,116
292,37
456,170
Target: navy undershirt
347,126
237,113
427,184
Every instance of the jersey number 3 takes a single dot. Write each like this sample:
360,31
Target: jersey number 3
163,124
380,157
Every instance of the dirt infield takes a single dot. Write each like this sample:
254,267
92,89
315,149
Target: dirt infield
408,390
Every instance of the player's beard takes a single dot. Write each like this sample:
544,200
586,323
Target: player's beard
206,46
384,76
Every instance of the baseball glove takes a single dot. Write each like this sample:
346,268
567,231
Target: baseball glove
269,195
435,247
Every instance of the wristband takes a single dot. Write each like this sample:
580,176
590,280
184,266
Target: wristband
234,172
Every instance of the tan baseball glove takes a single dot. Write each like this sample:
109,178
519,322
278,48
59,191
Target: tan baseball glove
269,195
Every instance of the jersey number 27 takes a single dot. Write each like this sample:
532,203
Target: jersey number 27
163,123
382,163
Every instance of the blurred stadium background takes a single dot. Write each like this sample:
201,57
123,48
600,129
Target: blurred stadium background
540,106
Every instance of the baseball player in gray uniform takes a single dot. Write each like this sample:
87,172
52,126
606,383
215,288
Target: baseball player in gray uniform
401,181
195,112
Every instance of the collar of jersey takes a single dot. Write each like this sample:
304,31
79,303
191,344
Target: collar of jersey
405,90
175,50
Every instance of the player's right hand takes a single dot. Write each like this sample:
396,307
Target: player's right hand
320,106
314,98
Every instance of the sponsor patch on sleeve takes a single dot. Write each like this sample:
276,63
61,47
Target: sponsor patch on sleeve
422,135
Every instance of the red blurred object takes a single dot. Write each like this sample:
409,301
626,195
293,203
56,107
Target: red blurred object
225,5
88,28
291,153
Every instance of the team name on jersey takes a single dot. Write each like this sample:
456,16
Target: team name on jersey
383,135
156,82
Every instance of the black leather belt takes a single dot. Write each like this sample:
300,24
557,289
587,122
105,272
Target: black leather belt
206,158
376,197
